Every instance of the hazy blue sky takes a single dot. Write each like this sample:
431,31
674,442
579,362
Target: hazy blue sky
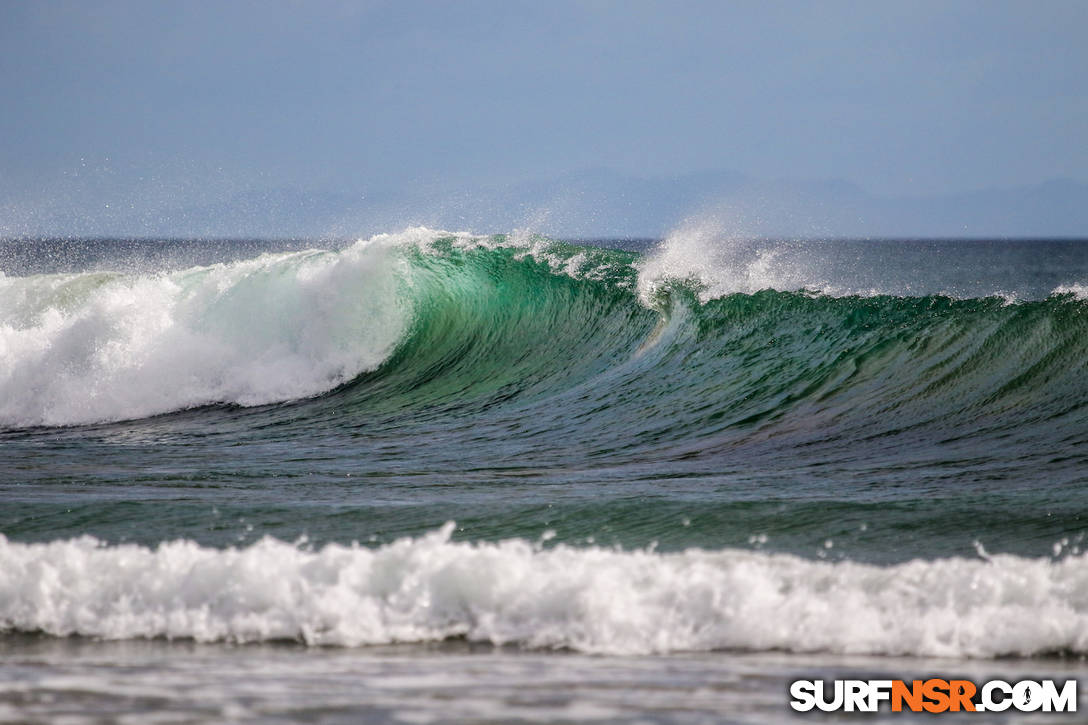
160,103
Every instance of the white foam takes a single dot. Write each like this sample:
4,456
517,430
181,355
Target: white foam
589,599
1079,291
77,348
718,264
705,255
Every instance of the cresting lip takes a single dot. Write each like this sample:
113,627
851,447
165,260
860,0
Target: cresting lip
274,328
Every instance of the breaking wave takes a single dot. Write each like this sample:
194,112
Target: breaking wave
517,592
685,344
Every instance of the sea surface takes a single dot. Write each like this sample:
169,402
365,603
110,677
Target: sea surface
442,477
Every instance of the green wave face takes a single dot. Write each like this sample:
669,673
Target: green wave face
574,357
518,385
495,326
564,390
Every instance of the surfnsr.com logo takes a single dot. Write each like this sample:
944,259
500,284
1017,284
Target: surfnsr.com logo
933,695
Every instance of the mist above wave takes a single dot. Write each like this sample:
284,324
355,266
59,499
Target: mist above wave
709,256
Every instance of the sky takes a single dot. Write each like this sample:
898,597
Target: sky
158,106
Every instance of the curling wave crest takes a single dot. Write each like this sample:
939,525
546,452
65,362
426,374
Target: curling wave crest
102,346
517,592
744,329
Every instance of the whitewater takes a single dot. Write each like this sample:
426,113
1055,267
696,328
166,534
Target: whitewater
593,600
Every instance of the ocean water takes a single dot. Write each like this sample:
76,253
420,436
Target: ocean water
441,477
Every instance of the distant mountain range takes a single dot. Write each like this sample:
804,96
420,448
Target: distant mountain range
595,204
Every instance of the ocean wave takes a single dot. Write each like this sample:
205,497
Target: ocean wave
100,346
519,592
432,320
